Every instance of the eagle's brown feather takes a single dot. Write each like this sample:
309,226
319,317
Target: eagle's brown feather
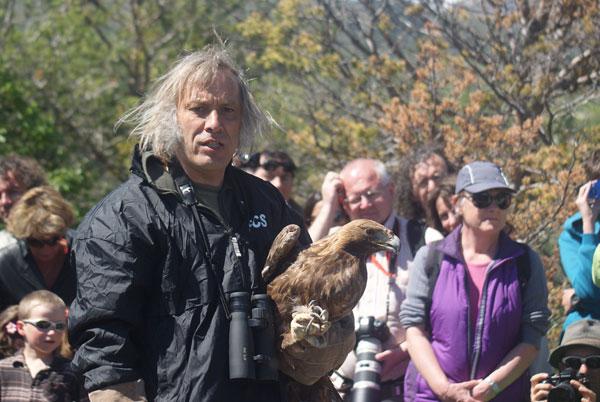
330,274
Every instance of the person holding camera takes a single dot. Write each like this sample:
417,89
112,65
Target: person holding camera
476,304
578,361
365,190
169,264
577,243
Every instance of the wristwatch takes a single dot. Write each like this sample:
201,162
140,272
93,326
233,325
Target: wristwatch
495,387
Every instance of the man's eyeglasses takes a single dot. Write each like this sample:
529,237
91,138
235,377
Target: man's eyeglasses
484,199
39,243
45,325
369,195
574,362
270,166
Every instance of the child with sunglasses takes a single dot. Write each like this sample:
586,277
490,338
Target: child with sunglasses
579,351
38,371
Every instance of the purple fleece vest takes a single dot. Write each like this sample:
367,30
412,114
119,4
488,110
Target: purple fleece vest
496,332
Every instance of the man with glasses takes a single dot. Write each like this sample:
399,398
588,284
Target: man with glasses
365,190
579,352
278,168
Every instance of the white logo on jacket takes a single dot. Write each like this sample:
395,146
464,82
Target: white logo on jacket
258,221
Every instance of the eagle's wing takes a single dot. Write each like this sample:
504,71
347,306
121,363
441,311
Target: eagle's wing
282,252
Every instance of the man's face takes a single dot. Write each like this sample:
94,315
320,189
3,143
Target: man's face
426,178
366,197
10,192
570,359
210,119
278,173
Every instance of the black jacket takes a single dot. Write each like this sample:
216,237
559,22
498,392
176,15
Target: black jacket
19,275
147,304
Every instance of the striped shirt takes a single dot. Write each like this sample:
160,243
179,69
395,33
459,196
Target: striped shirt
58,383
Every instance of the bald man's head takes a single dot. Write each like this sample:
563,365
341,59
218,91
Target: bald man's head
369,190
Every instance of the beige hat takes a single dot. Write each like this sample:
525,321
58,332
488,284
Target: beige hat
581,333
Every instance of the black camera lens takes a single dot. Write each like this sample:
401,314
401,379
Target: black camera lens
371,333
563,392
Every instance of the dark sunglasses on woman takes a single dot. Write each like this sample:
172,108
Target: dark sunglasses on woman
574,362
38,243
484,199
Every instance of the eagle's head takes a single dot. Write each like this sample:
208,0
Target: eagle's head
363,237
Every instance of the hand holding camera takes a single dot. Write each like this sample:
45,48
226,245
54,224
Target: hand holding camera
566,386
588,203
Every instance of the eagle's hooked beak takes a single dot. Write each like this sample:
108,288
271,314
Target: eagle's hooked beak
392,244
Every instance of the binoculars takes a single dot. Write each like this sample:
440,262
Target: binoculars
252,338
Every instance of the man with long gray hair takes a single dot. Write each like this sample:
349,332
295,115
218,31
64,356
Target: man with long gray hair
161,260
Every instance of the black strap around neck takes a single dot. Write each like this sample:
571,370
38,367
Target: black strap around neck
188,195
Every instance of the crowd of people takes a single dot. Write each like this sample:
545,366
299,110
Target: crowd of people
136,303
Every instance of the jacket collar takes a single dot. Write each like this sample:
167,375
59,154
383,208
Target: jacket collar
157,174
451,246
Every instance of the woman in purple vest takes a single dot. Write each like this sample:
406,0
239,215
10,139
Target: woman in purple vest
473,322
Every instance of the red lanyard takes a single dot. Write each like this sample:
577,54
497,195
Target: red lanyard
380,267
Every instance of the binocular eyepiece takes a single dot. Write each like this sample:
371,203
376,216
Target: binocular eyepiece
370,335
252,338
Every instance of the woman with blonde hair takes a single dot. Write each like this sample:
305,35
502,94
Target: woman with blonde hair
39,260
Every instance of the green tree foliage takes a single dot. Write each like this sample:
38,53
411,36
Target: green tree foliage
511,81
76,67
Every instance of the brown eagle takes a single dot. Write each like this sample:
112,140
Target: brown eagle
314,291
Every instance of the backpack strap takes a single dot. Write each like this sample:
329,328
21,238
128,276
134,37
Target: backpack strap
433,261
523,263
415,232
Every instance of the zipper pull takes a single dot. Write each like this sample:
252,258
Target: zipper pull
236,246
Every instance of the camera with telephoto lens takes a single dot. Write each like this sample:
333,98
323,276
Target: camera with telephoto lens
252,338
370,335
563,391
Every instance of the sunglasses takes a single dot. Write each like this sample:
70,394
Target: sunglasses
574,362
273,165
45,325
484,199
38,243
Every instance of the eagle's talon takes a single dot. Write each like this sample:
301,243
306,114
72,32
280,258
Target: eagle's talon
310,323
